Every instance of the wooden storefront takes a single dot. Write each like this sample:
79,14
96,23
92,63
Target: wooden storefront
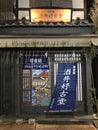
62,46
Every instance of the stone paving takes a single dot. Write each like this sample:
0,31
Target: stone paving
26,126
65,127
40,123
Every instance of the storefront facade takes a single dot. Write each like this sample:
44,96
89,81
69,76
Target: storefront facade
32,68
45,61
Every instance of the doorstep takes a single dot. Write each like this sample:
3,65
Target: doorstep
52,119
66,119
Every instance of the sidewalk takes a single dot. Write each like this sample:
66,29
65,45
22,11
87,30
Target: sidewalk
46,127
80,122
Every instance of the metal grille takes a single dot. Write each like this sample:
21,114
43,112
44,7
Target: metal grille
26,85
55,57
8,81
16,83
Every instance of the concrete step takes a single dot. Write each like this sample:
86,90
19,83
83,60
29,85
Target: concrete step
66,120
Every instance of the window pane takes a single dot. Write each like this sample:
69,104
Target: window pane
23,14
79,14
23,3
78,3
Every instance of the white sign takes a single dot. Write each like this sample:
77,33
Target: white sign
44,42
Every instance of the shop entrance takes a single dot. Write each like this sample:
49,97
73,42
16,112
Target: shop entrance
28,90
38,81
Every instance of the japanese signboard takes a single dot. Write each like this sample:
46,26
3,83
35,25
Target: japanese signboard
64,95
36,62
46,42
50,15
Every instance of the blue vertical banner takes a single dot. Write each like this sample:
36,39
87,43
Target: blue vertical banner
64,95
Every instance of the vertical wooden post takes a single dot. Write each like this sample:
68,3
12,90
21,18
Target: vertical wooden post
17,85
89,83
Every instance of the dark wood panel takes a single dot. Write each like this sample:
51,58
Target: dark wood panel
62,3
40,3
6,3
51,3
6,10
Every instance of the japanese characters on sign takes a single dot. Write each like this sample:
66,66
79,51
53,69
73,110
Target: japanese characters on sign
50,15
36,62
64,94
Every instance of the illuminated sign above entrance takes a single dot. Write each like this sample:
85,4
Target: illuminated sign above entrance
50,15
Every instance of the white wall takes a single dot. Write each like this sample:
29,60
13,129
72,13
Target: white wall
78,4
23,3
79,14
23,14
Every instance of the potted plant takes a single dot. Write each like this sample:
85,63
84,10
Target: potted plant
94,100
94,15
